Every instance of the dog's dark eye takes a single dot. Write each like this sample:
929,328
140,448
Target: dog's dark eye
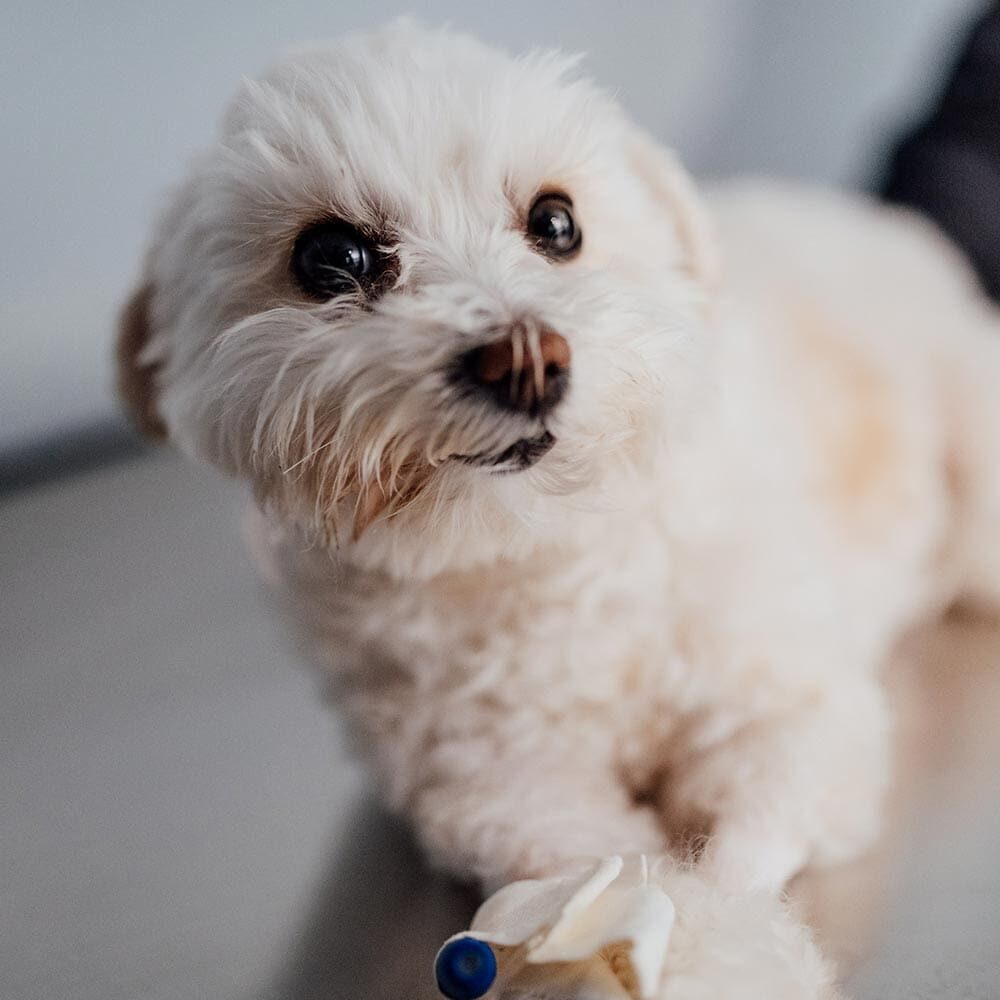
333,258
551,226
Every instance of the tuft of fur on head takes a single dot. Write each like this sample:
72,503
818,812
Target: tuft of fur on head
344,414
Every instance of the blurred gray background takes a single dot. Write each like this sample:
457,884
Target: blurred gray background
180,814
101,105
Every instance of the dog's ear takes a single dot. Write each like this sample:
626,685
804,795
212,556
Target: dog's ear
136,377
671,188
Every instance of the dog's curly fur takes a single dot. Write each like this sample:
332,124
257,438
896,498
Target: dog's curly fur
778,449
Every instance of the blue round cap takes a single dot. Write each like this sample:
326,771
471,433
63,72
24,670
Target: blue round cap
465,969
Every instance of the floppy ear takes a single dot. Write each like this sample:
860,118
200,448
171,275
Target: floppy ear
672,189
137,379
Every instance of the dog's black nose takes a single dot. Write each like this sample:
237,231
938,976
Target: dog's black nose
520,372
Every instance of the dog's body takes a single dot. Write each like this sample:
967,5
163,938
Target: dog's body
774,454
749,591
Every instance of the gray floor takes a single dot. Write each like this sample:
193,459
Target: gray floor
180,817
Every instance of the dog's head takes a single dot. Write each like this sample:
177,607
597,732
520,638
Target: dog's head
428,299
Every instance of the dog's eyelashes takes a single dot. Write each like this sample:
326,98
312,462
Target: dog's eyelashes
552,227
333,258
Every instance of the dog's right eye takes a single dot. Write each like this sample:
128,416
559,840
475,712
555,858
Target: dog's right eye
333,258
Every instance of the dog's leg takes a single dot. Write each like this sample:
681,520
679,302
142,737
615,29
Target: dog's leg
781,792
501,814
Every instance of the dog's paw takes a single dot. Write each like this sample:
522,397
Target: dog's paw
632,929
741,946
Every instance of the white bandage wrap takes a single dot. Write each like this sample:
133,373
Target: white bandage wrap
602,935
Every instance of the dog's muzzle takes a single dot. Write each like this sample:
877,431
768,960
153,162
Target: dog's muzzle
527,373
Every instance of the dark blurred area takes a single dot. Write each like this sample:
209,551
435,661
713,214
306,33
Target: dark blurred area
949,167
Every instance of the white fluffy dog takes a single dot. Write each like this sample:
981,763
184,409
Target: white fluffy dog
604,506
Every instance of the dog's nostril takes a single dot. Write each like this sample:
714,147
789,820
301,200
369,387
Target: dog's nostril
554,350
494,361
520,372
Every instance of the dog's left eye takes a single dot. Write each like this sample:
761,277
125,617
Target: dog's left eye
333,258
552,227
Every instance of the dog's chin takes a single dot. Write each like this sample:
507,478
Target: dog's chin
521,455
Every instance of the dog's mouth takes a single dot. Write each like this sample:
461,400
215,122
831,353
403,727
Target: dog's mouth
521,455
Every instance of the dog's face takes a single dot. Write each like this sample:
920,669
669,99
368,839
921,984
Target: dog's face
429,300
